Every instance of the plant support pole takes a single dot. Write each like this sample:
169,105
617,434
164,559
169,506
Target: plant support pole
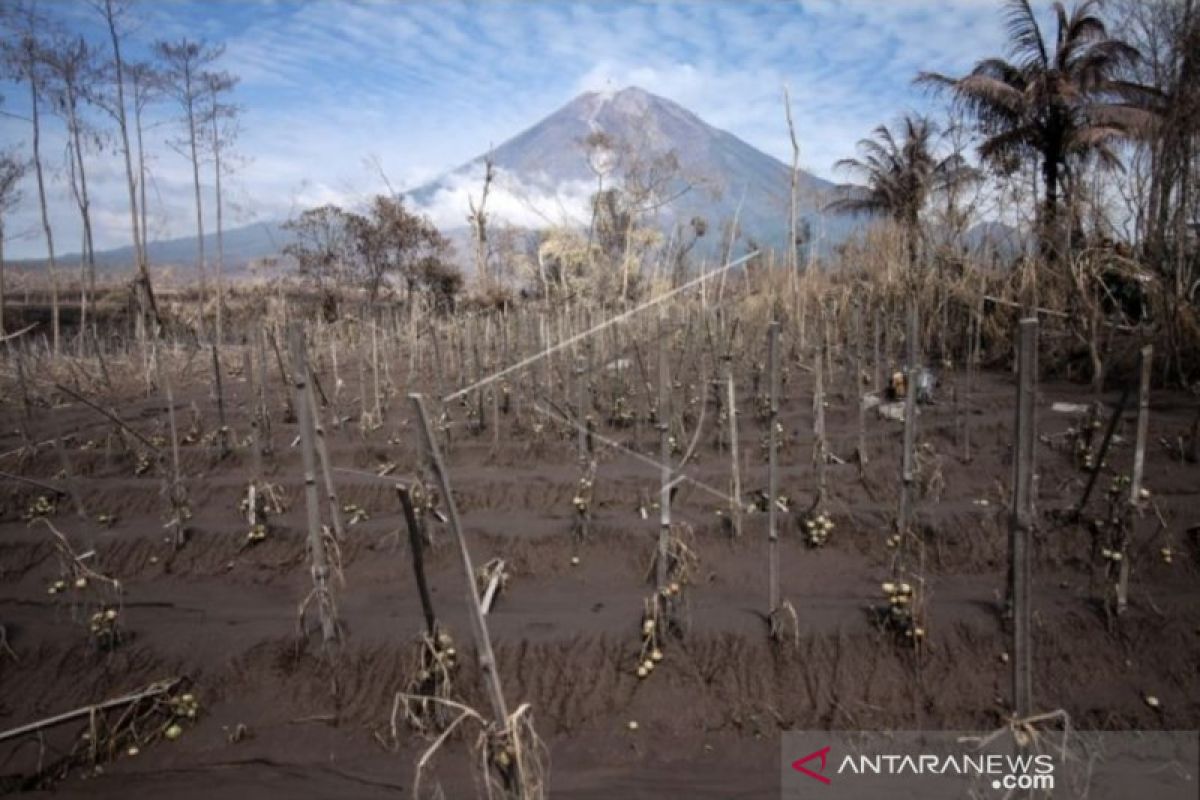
1135,481
1021,519
773,472
316,541
483,642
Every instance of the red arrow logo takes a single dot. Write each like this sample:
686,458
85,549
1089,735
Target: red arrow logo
822,754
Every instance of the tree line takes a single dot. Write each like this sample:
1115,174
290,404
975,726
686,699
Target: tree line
1091,125
99,89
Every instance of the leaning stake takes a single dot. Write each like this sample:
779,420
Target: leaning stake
316,539
483,643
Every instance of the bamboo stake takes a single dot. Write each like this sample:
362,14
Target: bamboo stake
223,429
1135,482
858,385
68,474
735,500
878,317
773,472
176,487
264,415
1103,451
664,438
1021,519
910,430
483,642
256,433
316,539
331,496
820,446
378,417
416,542
581,407
154,690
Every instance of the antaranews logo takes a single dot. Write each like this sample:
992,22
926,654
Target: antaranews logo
1006,772
951,765
822,754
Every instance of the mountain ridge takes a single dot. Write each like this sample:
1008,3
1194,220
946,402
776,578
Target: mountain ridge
545,170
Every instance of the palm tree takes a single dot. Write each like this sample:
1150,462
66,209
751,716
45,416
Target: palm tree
897,177
1056,101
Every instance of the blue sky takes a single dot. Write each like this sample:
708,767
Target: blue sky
330,88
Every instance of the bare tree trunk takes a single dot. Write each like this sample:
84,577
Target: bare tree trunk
143,210
41,184
793,257
146,294
216,145
88,257
191,120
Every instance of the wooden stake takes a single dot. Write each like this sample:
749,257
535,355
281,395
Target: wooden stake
879,324
735,499
1102,453
664,438
1021,518
331,497
908,462
581,407
1135,481
483,642
316,538
773,471
223,429
176,483
256,433
858,385
378,417
820,446
416,543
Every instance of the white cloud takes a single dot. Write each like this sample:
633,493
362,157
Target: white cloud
529,203
427,86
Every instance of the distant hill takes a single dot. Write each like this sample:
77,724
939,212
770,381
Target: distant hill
242,246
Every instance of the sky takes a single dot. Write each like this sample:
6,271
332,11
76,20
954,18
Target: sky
336,96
